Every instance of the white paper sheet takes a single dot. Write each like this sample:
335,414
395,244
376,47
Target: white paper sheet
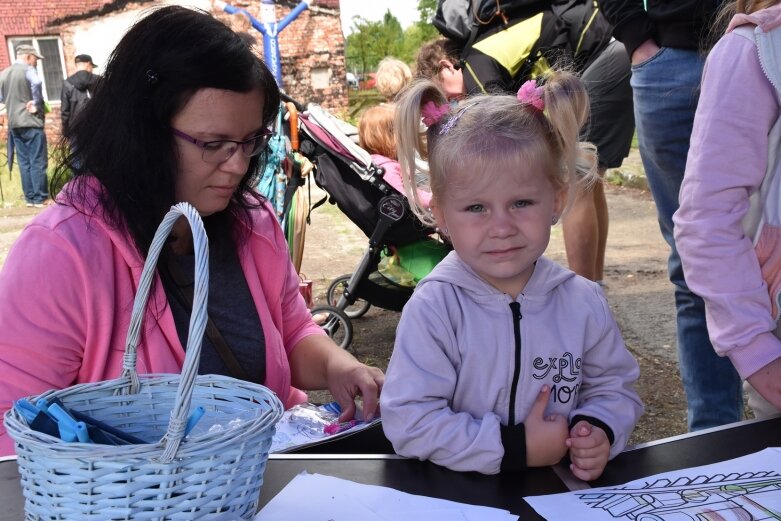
317,497
746,489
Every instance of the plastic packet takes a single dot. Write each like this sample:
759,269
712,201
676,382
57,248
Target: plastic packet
218,421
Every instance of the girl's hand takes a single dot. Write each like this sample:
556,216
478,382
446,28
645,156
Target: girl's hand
589,449
545,437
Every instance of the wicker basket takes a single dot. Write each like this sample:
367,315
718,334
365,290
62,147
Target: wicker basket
216,475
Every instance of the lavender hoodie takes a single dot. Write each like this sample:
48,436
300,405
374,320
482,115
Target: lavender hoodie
728,225
66,294
449,386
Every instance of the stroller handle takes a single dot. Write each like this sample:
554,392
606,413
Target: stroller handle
292,110
287,99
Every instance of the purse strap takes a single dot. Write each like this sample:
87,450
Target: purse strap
184,294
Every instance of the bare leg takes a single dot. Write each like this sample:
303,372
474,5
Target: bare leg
585,227
600,204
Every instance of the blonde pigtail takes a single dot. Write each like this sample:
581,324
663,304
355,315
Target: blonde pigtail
410,141
567,110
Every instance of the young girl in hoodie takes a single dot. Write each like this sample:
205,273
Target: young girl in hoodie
503,359
728,225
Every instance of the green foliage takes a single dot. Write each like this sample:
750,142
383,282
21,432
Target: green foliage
369,42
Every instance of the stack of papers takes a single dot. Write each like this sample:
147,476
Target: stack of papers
314,496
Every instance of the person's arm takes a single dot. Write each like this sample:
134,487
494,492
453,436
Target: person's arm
420,382
43,318
607,397
65,105
631,26
316,362
36,87
726,164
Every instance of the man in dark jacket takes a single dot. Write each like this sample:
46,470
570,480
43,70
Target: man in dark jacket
663,39
77,90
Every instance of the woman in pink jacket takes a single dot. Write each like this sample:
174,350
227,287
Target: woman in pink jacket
182,114
728,226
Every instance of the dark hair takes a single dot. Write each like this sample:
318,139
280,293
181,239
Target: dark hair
123,137
427,61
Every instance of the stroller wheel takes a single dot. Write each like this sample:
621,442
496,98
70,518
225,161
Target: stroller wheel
335,323
335,294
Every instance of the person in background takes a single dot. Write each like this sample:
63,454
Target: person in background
391,77
175,119
375,135
505,55
727,228
20,90
662,38
439,60
504,360
77,90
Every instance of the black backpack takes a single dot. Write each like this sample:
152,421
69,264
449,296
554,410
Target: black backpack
572,29
460,20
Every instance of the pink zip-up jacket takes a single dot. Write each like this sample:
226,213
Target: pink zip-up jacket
728,226
66,294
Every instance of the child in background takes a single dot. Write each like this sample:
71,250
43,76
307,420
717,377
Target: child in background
391,77
504,360
728,225
375,135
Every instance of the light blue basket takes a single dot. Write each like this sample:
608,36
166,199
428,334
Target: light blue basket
216,475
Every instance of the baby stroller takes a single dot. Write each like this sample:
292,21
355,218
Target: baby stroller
347,174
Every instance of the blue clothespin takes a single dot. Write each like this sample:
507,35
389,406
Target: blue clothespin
196,415
70,429
27,410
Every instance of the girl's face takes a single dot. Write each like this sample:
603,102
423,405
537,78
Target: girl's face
500,226
213,115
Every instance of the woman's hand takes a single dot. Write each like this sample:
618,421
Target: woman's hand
348,379
316,362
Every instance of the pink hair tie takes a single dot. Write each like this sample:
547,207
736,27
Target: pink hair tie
531,94
433,113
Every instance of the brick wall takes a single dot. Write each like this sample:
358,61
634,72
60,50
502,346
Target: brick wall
312,44
33,18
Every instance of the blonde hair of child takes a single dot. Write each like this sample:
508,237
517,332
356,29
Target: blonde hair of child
730,9
494,132
391,77
375,131
752,6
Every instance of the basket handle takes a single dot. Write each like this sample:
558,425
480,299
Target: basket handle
178,420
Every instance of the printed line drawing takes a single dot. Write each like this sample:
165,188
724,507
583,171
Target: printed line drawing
737,496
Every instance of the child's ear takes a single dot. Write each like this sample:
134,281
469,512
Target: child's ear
560,202
439,215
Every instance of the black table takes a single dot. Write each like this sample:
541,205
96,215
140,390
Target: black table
501,491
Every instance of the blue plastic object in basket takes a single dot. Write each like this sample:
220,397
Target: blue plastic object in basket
210,476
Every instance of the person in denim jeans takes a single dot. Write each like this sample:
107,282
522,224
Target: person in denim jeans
20,90
663,38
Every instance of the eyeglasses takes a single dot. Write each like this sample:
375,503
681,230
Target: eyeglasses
216,152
